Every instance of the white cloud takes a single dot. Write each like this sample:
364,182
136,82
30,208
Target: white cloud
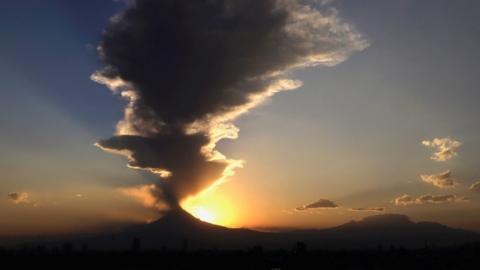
445,148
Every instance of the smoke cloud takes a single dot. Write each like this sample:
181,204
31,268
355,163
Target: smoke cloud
189,68
147,195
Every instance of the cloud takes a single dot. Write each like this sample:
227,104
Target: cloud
19,197
475,186
424,199
440,199
148,195
321,203
368,209
445,148
186,78
441,180
404,200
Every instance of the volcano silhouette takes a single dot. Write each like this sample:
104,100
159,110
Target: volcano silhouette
179,230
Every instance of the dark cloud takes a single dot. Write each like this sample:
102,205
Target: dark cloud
188,68
321,203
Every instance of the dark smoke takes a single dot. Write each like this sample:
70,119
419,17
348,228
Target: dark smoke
189,67
177,153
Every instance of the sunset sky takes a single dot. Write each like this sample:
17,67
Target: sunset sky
394,128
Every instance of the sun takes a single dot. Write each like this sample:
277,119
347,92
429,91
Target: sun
203,214
212,208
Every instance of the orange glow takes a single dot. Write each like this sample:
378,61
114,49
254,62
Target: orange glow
203,214
212,208
143,194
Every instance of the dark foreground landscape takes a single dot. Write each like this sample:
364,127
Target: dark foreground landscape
299,257
180,241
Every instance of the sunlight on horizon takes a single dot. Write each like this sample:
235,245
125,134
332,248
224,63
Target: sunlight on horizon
212,208
203,214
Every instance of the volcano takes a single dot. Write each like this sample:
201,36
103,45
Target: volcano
178,229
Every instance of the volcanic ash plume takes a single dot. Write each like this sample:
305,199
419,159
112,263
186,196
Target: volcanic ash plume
189,68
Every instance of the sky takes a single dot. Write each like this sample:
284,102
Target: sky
358,138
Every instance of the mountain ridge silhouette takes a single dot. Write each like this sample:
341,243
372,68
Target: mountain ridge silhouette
179,230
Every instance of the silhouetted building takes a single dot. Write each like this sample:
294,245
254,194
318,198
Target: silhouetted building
136,245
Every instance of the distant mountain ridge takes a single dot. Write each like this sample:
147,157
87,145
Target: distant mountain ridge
180,230
386,230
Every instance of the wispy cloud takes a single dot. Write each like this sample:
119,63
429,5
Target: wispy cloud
404,200
321,203
19,197
368,209
475,186
445,148
440,199
427,198
441,180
